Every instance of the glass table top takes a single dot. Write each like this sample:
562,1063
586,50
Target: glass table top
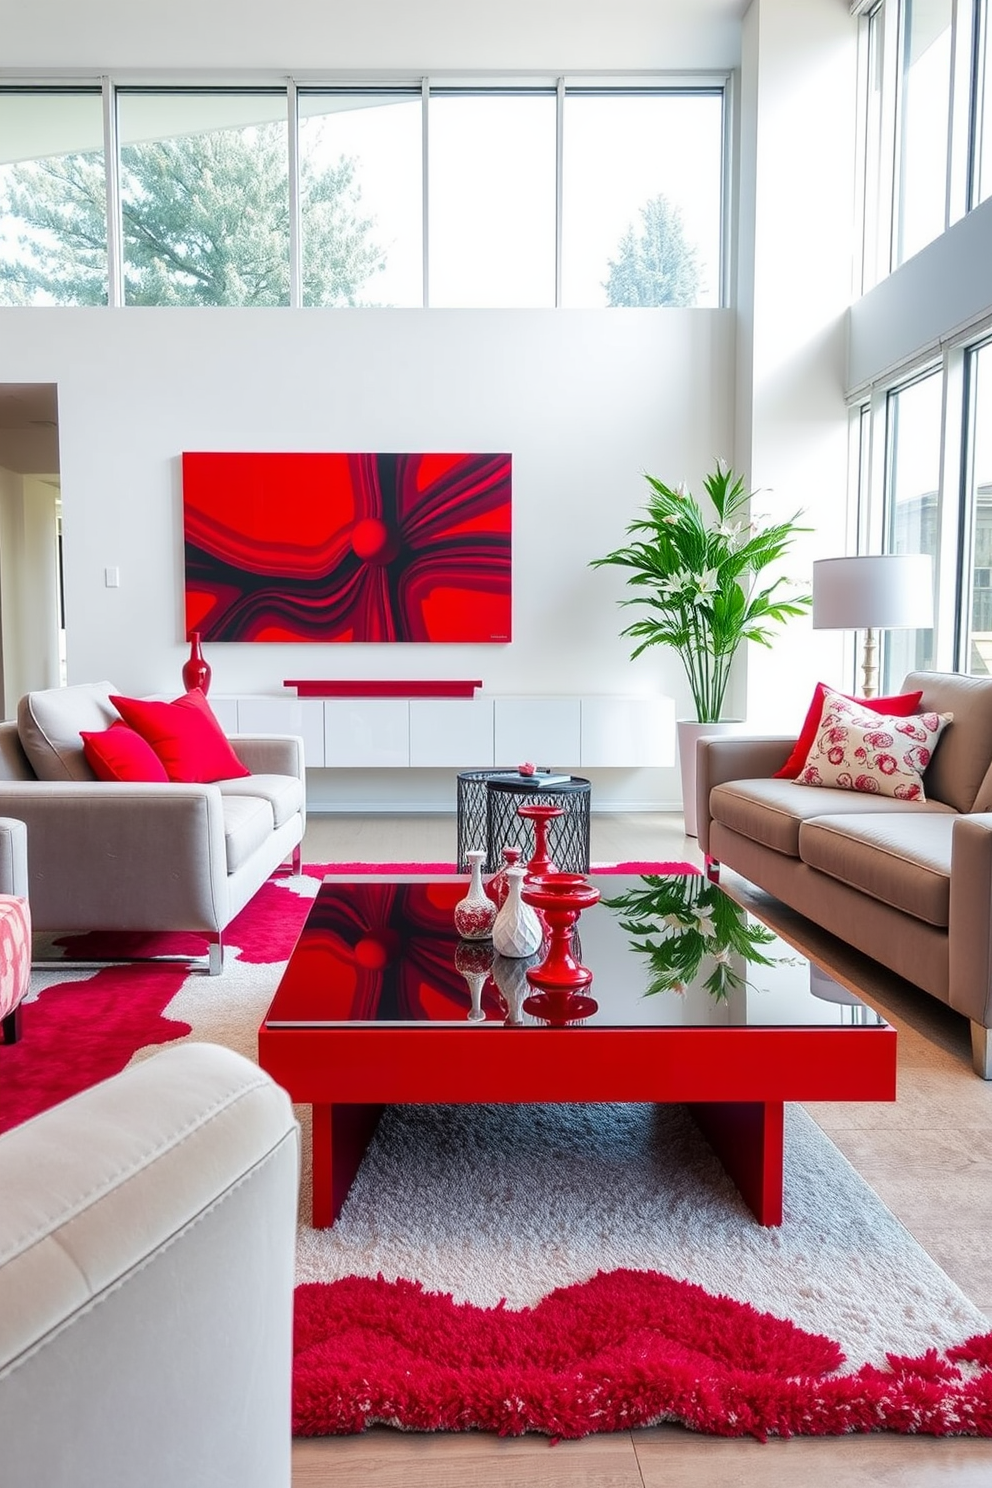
664,951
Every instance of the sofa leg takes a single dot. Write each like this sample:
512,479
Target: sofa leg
712,869
10,1026
215,948
981,1050
298,858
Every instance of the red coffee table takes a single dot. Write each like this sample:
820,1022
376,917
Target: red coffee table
381,1004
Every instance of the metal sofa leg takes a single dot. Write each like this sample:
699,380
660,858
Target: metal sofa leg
298,858
10,1026
215,946
981,1050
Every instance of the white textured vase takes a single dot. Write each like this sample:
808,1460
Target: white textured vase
517,931
475,915
687,732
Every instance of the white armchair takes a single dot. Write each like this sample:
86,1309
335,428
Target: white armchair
147,1236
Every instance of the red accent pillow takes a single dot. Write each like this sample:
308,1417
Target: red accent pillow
900,706
118,753
185,735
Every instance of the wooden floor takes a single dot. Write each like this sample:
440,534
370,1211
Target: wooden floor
929,1156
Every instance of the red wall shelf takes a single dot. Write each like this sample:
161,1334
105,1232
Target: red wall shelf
349,688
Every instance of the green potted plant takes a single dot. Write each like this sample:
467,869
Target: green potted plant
696,577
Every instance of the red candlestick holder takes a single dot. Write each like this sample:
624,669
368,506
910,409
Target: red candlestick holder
540,864
560,898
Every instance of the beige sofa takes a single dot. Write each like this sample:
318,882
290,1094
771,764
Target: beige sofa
143,857
147,1248
907,883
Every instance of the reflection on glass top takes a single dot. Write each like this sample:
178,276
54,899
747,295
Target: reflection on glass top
664,951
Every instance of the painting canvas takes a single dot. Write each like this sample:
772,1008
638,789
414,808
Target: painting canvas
347,547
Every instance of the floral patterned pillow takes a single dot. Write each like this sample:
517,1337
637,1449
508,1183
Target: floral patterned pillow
856,749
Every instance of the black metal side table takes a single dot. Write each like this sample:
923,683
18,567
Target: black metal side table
487,818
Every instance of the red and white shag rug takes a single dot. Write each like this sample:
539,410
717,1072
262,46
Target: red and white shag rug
556,1269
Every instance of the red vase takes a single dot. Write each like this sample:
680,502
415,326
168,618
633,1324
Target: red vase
196,671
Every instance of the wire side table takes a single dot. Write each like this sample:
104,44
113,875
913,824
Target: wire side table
487,819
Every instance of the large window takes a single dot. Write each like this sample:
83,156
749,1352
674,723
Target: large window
642,195
361,197
912,504
204,190
927,138
978,603
924,124
480,195
491,190
53,198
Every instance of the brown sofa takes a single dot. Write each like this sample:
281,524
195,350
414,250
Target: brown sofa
907,883
113,855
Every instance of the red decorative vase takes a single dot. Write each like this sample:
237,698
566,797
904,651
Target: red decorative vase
196,671
560,898
498,886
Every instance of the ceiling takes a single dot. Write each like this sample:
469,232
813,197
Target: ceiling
29,429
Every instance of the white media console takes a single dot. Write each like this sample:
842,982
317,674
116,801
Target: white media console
391,733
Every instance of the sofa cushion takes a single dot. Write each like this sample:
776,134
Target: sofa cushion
965,752
185,735
772,811
900,706
903,860
284,793
49,725
118,753
858,750
247,824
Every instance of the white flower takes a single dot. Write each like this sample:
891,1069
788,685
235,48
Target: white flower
682,490
704,922
672,521
675,583
722,957
708,582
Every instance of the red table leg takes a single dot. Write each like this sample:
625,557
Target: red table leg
340,1137
748,1138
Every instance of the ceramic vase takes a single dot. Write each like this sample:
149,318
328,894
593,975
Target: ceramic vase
517,931
475,914
497,886
196,670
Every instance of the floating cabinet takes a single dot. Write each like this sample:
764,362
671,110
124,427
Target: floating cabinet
627,731
546,731
566,733
367,732
456,733
303,716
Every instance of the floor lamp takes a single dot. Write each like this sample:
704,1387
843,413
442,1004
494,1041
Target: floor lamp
883,591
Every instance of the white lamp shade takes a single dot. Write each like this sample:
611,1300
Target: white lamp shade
882,591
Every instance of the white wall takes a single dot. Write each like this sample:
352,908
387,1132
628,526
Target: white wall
798,149
584,402
376,34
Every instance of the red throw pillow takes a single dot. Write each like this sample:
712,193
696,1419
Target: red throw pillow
185,735
900,706
118,753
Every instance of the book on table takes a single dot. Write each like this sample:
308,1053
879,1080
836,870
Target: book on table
540,779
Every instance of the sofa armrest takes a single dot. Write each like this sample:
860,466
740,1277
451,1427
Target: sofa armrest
13,857
970,918
270,754
722,758
147,1240
103,853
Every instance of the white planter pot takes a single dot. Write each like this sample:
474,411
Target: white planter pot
687,731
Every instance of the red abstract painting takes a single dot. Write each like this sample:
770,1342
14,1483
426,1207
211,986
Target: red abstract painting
347,547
